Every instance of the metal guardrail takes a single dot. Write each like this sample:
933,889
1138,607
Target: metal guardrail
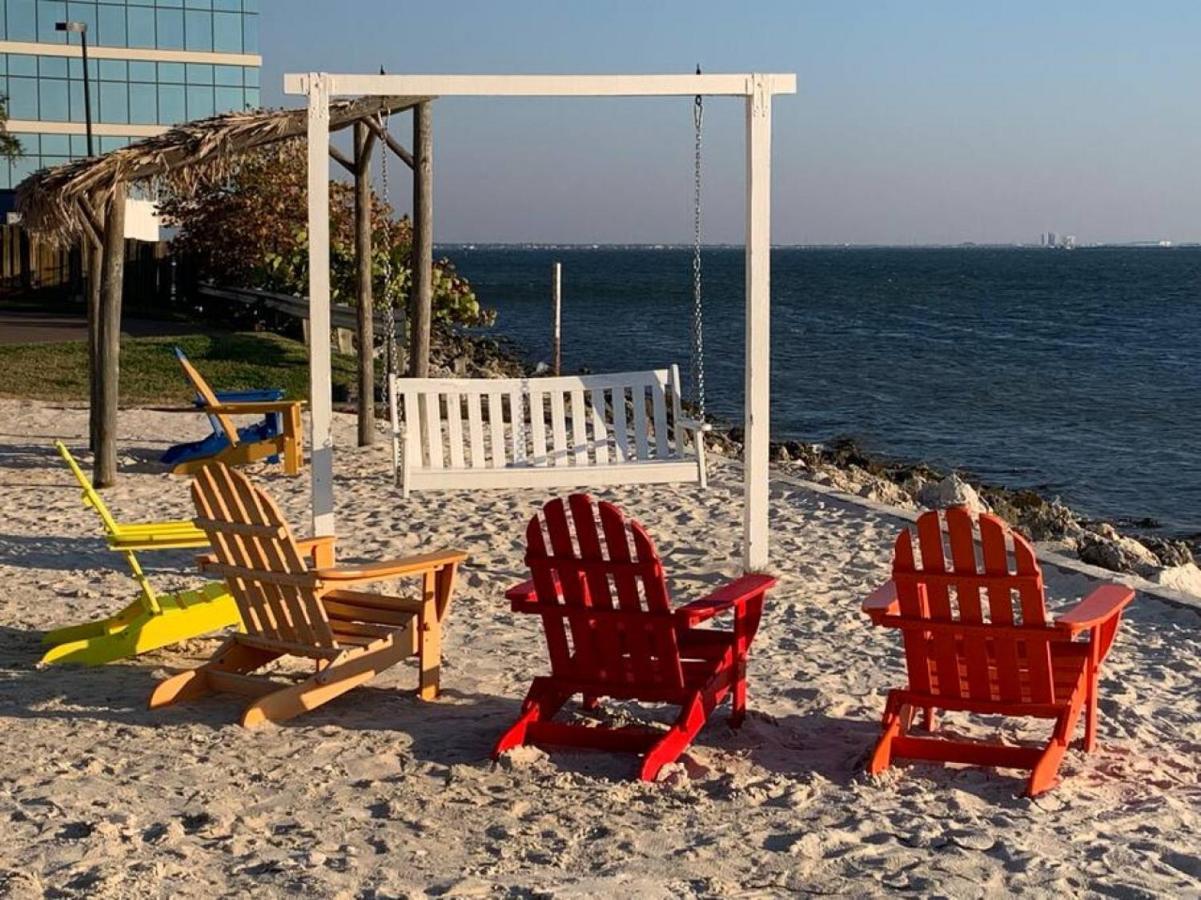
341,314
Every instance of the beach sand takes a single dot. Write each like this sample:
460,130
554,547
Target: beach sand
380,794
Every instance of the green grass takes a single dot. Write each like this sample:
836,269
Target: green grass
150,373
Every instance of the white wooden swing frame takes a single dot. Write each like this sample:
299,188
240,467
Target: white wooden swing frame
757,91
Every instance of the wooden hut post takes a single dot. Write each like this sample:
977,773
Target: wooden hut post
109,346
363,142
421,293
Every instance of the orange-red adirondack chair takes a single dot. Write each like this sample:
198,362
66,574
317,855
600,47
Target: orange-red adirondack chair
611,632
1005,657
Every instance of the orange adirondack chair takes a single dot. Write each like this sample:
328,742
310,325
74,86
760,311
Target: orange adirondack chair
1003,658
611,632
290,609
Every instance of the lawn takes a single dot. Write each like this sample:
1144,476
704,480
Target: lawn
150,373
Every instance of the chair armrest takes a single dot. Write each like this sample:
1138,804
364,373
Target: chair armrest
1096,609
730,595
882,601
693,425
393,568
521,593
251,409
204,560
319,549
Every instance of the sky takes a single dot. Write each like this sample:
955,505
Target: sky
914,122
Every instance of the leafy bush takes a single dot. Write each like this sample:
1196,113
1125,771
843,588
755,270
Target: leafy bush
251,231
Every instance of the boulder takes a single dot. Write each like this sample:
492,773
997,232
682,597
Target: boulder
1184,578
1106,548
1169,552
951,491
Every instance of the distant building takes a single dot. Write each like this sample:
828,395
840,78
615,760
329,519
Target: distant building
1052,239
151,64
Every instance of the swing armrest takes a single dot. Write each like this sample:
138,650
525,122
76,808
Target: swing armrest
731,595
693,425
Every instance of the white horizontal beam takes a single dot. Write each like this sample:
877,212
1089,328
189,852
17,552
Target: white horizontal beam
544,85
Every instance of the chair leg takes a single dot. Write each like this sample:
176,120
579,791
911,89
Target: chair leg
232,657
1091,713
929,718
540,705
1045,773
429,641
897,718
679,736
332,681
738,700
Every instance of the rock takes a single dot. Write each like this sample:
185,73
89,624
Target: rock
1184,578
1169,552
1106,548
952,491
522,758
882,490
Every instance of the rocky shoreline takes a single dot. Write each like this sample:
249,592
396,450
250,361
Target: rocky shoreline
844,465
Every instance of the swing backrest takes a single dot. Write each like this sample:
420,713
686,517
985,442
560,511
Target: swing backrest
601,592
975,624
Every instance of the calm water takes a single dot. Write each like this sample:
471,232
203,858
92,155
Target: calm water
1075,373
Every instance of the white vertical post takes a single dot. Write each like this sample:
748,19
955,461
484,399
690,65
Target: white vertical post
556,347
321,394
758,326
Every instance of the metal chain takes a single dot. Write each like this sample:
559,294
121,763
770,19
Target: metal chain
698,333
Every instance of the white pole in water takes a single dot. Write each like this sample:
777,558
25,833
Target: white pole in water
556,348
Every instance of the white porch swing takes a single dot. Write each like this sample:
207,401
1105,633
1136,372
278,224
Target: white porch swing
757,91
584,430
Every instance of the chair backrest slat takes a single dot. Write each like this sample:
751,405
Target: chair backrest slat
595,559
249,536
975,662
209,397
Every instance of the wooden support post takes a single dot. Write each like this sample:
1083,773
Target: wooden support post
94,256
320,382
364,140
556,343
421,293
756,469
109,346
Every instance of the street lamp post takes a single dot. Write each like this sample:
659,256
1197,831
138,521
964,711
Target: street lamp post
81,28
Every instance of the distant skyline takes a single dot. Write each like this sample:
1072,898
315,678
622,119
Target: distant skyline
914,123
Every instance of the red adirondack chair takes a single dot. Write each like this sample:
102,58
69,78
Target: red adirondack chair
611,632
1004,658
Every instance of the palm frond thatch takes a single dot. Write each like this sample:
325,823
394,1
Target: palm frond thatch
56,203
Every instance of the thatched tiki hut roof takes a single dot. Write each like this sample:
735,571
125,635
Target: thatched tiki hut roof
84,201
187,155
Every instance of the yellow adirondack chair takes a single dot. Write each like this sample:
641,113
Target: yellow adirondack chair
292,609
151,621
288,444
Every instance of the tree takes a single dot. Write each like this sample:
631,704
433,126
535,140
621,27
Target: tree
250,230
10,147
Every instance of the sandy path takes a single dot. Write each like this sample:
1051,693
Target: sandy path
378,794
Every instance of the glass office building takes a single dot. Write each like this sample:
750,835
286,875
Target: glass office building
152,63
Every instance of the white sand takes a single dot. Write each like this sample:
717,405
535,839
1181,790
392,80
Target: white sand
379,794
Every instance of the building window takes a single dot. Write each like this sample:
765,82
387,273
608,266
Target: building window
22,20
229,99
250,34
170,29
111,31
54,104
143,104
23,98
141,27
198,28
49,12
227,32
114,102
228,75
171,106
200,101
